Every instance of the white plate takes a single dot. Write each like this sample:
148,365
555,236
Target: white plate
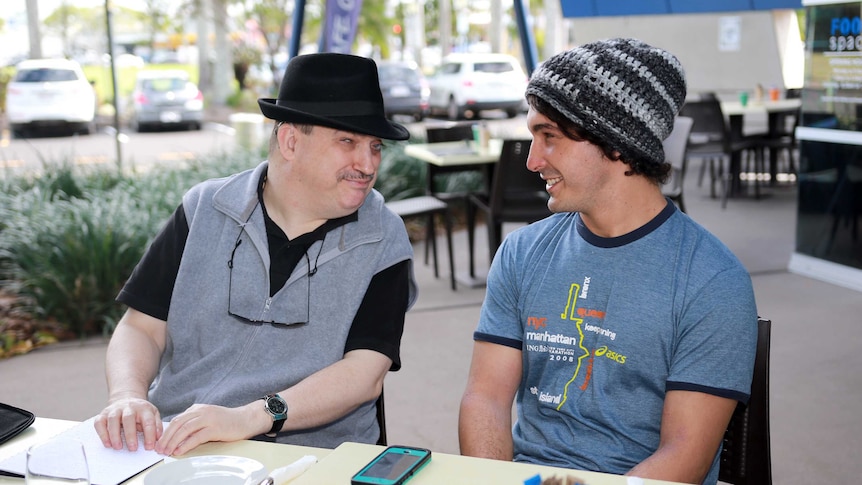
209,470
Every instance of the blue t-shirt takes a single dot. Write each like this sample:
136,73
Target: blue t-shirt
608,325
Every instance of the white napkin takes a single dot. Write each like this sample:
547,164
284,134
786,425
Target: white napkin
295,469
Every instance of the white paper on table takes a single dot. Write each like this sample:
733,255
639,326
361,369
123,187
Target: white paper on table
107,465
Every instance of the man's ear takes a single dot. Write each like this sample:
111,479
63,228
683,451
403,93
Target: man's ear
286,139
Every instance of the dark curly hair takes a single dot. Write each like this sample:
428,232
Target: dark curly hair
637,166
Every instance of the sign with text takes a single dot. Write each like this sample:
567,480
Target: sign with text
339,28
833,73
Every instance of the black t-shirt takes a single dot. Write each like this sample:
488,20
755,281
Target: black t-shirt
377,325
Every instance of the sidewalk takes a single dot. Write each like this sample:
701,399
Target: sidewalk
816,379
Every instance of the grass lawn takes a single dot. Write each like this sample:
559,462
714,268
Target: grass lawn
101,76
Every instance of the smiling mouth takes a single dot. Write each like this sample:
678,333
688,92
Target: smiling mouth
360,178
551,181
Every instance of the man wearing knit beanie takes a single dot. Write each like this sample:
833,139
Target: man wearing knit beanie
623,331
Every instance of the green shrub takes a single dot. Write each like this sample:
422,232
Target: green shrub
69,239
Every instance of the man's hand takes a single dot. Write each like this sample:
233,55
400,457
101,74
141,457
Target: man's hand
202,423
120,422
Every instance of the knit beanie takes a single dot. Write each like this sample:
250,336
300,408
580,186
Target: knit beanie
620,90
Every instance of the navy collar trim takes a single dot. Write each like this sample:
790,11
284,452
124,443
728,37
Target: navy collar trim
615,242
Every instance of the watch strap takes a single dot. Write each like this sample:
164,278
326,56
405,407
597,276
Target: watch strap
276,427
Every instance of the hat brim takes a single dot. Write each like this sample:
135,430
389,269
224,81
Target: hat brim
377,126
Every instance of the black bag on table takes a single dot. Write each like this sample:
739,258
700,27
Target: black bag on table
13,421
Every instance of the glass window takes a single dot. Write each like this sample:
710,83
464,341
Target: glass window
832,97
493,67
45,75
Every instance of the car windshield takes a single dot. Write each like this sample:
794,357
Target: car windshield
164,84
398,74
492,67
45,75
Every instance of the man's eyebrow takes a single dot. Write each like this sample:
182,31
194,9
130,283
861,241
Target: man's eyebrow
544,126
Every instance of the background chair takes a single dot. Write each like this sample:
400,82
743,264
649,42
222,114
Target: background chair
440,134
746,458
711,141
428,207
781,139
674,152
381,419
449,132
517,195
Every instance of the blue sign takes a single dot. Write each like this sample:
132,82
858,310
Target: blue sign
339,29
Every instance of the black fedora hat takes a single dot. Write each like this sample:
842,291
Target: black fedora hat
335,90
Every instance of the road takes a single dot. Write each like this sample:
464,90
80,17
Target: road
142,151
139,150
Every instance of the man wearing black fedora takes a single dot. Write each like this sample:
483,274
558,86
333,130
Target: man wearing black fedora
272,303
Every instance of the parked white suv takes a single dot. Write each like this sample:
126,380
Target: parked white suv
469,82
49,94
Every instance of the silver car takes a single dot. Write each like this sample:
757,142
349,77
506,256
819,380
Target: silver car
166,99
404,88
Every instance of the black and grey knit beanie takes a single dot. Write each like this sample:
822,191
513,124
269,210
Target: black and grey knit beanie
620,90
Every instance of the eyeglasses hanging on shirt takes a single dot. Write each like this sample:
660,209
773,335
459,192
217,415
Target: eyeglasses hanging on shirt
248,302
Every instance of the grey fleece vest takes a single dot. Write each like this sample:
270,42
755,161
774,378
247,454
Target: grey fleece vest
222,347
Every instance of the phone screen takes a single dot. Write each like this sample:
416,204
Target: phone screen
391,465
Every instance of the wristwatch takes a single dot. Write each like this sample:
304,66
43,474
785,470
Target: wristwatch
277,408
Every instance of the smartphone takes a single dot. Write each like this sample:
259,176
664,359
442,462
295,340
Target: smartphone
394,466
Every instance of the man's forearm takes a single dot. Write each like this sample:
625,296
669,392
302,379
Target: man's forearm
346,384
485,431
131,363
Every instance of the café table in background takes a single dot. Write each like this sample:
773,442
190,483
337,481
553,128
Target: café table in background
775,112
458,156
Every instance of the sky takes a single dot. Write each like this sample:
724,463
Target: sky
14,40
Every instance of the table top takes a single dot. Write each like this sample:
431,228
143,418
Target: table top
347,459
338,465
732,108
454,153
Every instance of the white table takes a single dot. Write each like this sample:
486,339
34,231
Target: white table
337,466
458,156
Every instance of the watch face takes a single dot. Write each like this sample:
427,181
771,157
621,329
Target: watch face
275,405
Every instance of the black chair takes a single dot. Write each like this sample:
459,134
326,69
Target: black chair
449,132
711,141
746,458
381,419
428,207
781,140
516,195
675,146
439,134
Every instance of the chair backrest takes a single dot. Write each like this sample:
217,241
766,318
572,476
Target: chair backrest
517,194
675,146
709,124
745,456
453,132
381,419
